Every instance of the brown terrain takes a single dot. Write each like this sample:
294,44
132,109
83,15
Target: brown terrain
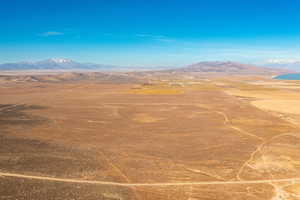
120,137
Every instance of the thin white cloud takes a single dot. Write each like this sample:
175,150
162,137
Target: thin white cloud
165,40
150,36
51,33
160,38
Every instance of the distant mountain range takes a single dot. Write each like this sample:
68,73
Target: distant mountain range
53,64
191,70
227,68
37,72
66,64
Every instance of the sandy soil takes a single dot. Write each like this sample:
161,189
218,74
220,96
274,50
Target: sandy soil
211,140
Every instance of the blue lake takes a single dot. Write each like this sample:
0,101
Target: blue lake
288,77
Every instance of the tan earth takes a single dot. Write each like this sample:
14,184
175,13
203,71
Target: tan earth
222,138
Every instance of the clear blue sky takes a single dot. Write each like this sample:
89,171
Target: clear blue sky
149,32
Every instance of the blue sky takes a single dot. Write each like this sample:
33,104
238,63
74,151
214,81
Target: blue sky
149,32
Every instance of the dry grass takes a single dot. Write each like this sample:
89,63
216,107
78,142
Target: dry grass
278,99
283,106
162,136
293,189
146,118
157,89
204,87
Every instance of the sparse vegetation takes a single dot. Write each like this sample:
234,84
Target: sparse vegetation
183,131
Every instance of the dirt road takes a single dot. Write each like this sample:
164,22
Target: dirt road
6,174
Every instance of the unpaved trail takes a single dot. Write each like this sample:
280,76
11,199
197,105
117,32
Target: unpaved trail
23,176
227,123
8,107
259,149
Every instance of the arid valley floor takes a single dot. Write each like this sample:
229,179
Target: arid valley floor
227,138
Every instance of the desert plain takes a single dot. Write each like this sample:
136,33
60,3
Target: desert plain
216,138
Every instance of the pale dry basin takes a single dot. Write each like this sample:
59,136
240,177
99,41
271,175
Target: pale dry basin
283,106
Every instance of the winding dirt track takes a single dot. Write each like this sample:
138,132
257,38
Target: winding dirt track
238,182
4,174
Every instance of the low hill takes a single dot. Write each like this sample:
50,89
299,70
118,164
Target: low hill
227,68
212,69
69,77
